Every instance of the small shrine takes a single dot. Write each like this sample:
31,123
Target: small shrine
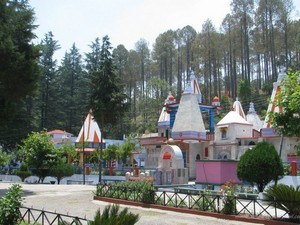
170,168
89,137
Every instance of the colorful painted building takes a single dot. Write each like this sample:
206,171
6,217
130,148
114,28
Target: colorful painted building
211,153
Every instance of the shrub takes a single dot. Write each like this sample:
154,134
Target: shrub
204,202
112,216
9,206
23,172
286,198
142,191
229,201
260,165
61,170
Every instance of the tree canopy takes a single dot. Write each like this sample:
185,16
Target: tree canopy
288,121
107,97
260,165
39,153
18,68
239,59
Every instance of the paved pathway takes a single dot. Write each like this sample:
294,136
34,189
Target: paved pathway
78,200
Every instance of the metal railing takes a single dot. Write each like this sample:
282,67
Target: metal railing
243,206
43,217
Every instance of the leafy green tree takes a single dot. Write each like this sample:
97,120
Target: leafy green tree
288,121
61,169
23,172
69,150
3,158
10,204
244,91
107,99
110,153
39,153
126,151
260,165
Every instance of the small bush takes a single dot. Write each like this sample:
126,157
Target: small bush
112,216
142,191
286,198
9,206
23,172
229,195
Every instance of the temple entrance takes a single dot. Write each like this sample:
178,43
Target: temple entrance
170,168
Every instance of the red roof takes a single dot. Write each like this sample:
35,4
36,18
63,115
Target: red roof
58,132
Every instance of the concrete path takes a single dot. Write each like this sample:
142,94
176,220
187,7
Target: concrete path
78,200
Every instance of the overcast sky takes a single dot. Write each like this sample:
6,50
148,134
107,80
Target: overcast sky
124,21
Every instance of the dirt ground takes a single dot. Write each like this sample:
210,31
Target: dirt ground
77,200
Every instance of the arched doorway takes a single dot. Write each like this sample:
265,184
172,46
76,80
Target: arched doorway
170,168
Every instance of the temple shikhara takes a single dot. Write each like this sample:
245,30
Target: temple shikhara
187,147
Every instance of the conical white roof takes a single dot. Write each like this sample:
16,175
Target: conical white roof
164,118
188,116
231,118
272,107
253,118
237,106
195,87
90,131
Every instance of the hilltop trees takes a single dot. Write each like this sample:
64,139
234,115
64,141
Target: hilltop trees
239,60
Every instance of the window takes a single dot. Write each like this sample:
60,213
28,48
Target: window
223,133
223,130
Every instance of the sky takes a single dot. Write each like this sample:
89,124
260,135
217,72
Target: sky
124,21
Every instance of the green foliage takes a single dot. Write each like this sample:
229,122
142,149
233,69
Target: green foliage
107,98
286,197
288,121
49,109
126,151
3,158
229,195
39,153
260,165
69,150
23,172
244,91
73,94
18,71
110,153
205,202
112,216
9,206
61,169
142,191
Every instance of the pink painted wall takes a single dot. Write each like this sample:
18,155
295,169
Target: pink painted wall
216,172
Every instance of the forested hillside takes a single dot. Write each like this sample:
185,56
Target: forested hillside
239,59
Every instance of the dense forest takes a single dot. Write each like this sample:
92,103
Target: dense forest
239,59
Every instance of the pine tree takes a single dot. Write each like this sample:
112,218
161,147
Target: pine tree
107,99
18,68
48,83
73,91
